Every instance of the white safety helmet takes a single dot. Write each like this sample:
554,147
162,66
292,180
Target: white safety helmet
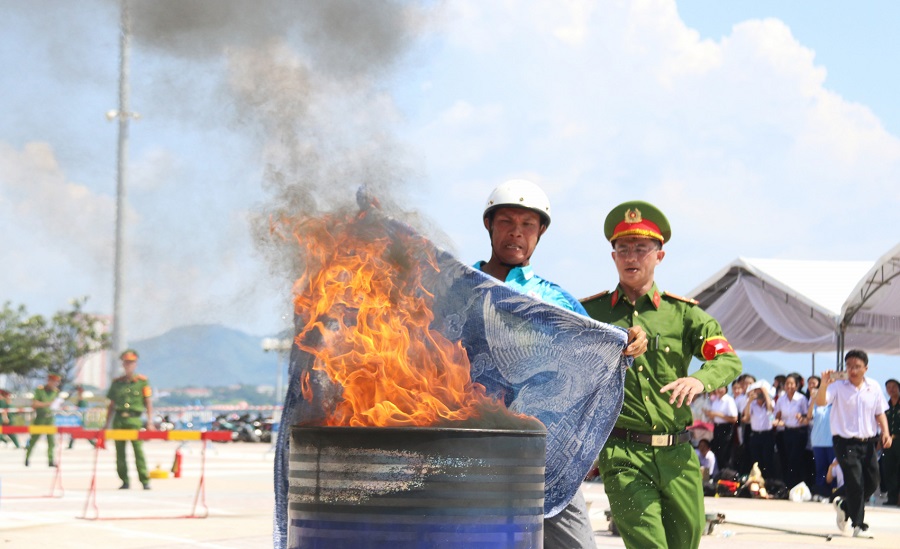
519,193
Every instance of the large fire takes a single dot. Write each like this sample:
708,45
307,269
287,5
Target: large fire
365,316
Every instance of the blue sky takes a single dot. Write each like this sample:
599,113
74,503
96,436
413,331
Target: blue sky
762,129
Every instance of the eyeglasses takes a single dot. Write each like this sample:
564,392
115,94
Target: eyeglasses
637,250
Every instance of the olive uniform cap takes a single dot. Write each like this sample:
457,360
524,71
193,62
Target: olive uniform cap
637,218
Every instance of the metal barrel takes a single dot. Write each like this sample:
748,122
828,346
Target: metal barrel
405,488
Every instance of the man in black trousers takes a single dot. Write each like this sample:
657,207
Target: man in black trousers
857,412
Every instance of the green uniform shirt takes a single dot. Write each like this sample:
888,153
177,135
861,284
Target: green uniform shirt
4,405
44,416
677,330
128,396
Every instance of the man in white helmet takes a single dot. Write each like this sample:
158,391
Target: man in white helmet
517,213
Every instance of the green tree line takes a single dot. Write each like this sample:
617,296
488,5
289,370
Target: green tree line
32,346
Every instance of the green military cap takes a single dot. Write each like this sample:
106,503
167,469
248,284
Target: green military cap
129,354
637,218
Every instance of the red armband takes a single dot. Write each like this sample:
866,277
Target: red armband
715,346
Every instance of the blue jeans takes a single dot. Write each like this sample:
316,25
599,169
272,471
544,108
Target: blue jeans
822,457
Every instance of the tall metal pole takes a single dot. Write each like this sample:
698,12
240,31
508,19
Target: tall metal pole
124,115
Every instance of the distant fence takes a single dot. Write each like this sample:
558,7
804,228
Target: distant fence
183,417
201,417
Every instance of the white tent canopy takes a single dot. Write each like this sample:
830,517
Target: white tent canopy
807,306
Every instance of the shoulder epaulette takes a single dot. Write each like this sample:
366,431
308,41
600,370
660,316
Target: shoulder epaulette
680,298
40,387
595,296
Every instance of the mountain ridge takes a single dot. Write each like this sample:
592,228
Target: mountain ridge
213,355
207,355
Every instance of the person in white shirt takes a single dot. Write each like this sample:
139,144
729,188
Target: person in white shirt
857,413
722,411
707,458
761,439
791,410
835,477
741,397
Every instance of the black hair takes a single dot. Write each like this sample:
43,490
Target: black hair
857,353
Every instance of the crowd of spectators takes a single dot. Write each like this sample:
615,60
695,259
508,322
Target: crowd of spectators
778,426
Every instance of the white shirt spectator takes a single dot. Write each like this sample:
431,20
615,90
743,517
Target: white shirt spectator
837,473
723,405
709,462
741,401
853,410
760,418
792,409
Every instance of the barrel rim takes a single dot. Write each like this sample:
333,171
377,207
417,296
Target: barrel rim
431,430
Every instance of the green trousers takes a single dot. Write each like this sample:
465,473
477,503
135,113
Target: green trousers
10,438
655,493
136,445
51,445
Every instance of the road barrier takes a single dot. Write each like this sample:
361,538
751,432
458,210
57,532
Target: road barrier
133,434
101,435
56,486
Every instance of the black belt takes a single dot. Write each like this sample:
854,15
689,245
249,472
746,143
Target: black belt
857,439
650,439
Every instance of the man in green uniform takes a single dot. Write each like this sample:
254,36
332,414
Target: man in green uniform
650,471
129,397
44,397
7,417
82,404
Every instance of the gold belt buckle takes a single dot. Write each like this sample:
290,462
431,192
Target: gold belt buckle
659,440
124,414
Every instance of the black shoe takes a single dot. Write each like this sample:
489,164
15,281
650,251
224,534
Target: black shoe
26,462
124,486
146,486
52,464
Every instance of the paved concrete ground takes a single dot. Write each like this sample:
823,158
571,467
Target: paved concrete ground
810,517
239,498
238,494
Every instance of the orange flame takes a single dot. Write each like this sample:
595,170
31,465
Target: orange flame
362,302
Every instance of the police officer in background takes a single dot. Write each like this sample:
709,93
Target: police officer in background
42,403
129,398
82,404
7,418
650,471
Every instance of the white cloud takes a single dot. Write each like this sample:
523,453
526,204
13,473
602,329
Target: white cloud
739,140
38,196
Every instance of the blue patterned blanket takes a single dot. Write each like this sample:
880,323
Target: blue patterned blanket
565,369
